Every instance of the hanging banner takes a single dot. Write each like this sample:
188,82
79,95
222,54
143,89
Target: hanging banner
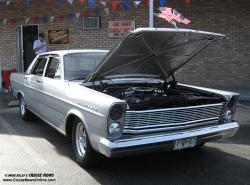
119,28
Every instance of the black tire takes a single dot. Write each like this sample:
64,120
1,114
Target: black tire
24,112
83,153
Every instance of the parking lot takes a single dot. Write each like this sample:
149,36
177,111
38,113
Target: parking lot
35,148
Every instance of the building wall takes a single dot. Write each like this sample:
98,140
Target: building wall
226,64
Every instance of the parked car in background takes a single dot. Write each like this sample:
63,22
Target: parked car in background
127,100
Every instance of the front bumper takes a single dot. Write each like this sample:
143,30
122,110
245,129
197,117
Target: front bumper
125,147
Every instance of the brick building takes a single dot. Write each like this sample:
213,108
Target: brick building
227,64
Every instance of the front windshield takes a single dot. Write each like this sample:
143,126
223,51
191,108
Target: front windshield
79,65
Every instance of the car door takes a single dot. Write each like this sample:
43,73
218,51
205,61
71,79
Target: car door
52,103
34,82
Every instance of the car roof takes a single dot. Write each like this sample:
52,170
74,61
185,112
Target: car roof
64,52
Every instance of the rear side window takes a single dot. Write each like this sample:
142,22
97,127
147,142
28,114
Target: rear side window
39,67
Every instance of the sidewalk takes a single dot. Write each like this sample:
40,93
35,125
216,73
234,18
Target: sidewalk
5,99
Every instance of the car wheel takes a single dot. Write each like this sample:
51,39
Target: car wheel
24,112
82,150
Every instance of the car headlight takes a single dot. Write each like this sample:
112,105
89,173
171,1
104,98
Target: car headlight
115,129
230,108
116,121
116,112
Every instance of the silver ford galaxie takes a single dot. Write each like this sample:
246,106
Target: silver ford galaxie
127,100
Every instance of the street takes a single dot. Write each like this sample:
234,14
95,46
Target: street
34,147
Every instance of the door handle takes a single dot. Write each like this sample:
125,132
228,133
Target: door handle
38,81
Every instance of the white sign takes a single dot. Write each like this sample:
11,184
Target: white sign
119,28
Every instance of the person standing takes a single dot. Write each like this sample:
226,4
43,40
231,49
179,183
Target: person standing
40,45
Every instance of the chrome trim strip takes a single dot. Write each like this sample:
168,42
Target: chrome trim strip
162,125
132,131
177,108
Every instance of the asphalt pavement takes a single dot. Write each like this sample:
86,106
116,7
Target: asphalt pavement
35,149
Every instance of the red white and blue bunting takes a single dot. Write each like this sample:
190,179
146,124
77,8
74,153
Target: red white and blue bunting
93,6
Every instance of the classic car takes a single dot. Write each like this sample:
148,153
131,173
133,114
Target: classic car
127,101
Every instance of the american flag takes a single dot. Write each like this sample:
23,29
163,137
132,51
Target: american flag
170,14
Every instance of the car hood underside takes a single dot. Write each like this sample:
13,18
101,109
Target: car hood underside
153,51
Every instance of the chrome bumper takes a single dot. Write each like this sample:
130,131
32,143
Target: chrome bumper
164,141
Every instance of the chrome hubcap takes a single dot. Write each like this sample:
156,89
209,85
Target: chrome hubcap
81,139
22,106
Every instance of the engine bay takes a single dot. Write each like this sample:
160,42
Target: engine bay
148,98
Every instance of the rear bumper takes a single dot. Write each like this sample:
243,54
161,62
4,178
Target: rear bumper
164,141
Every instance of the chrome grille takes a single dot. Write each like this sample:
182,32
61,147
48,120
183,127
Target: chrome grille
139,122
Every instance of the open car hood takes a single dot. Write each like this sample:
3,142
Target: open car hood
152,52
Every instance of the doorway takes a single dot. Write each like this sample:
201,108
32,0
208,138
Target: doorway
26,35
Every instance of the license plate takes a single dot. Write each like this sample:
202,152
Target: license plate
185,143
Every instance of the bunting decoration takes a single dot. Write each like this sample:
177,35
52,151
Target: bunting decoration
70,1
125,4
168,14
81,1
27,20
137,3
61,2
18,2
5,21
51,19
115,5
45,19
60,17
103,2
162,3
69,17
106,10
28,2
97,13
91,3
77,15
35,19
187,2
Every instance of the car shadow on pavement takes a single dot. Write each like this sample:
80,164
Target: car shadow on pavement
203,166
208,165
